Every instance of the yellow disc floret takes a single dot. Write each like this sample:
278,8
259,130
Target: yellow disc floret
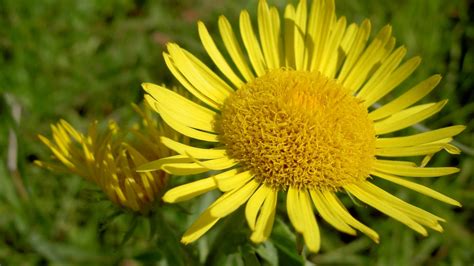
299,129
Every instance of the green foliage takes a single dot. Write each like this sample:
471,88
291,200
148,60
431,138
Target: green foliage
85,60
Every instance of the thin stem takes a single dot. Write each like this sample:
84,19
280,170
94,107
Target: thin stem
12,159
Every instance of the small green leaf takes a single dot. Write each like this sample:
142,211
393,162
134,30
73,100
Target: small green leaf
285,242
131,229
268,252
168,242
149,257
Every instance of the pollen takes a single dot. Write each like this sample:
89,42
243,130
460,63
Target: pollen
298,129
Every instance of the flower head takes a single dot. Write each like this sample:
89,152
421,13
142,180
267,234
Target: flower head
293,113
272,127
106,158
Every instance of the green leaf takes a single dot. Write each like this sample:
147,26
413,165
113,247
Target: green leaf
131,229
268,252
149,257
232,236
285,242
168,242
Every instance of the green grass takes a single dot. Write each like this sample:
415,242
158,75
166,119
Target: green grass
85,60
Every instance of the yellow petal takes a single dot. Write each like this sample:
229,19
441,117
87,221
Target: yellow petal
357,44
61,138
395,163
216,56
189,190
199,227
407,117
328,64
211,77
183,129
226,174
254,204
265,220
157,164
426,160
320,28
217,164
289,37
293,208
234,200
230,182
372,55
58,154
200,94
70,130
347,40
311,229
407,99
413,171
276,24
393,80
200,76
233,47
147,179
301,53
327,213
418,188
372,200
267,36
409,151
421,138
50,166
388,49
452,149
184,169
417,214
131,196
340,211
198,167
198,153
135,155
383,72
181,109
251,43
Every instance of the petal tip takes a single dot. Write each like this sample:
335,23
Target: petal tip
168,198
461,128
256,238
437,78
146,86
185,240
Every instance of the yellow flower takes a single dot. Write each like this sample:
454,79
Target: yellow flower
107,159
293,114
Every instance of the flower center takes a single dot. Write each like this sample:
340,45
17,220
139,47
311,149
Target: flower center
298,129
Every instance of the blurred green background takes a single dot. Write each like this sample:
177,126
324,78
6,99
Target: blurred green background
85,60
